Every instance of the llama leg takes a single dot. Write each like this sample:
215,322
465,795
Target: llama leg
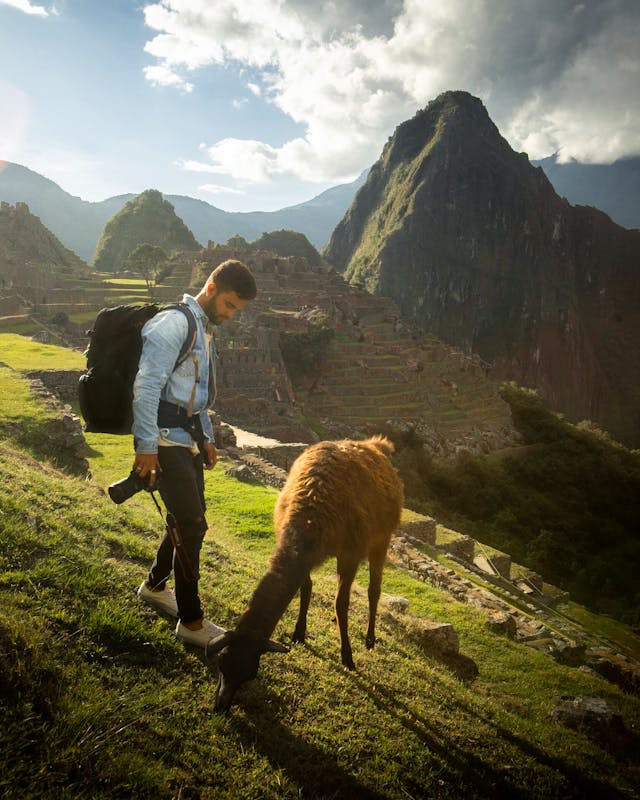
300,631
376,564
347,568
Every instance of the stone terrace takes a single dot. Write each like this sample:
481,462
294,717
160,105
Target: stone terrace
378,367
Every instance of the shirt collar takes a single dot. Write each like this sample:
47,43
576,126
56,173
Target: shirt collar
195,306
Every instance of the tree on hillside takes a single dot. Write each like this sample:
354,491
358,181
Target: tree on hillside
150,261
238,242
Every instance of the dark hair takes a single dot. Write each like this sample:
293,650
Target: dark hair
234,276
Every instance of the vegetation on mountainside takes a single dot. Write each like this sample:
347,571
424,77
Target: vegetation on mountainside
147,218
106,703
283,243
567,504
305,352
25,241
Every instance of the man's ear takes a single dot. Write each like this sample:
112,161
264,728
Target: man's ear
210,289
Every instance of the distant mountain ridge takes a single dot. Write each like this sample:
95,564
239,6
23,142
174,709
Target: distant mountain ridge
473,242
79,223
613,188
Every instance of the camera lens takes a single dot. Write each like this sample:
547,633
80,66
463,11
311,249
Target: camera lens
124,489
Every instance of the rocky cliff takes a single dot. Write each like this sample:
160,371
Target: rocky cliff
473,242
146,219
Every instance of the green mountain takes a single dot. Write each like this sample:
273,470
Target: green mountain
473,242
27,246
282,243
147,219
79,224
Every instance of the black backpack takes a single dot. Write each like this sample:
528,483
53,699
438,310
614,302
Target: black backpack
105,390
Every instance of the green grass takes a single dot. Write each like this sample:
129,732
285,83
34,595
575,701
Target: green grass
22,354
24,327
566,505
100,700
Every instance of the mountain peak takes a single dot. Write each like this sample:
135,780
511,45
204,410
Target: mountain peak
146,219
472,241
26,245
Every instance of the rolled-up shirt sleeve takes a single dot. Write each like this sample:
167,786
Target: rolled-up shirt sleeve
162,339
207,427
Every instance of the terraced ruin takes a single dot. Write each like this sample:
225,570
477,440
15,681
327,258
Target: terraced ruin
376,369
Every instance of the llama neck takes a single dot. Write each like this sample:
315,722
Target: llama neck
275,591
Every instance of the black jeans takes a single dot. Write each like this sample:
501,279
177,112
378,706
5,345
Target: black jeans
182,490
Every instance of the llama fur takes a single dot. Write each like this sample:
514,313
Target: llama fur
341,499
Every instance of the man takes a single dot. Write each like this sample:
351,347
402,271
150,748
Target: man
173,437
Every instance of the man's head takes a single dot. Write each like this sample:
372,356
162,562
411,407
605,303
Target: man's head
227,290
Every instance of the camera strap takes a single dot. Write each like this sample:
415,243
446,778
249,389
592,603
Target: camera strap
173,530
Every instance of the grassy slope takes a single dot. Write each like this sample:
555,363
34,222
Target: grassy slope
566,505
101,701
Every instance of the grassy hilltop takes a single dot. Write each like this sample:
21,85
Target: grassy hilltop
100,700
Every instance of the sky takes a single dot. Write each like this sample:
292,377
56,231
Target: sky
260,104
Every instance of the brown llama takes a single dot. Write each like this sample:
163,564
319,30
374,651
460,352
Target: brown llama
341,499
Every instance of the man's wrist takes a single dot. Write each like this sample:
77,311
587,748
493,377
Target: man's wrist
146,448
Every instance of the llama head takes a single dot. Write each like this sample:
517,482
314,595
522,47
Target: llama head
238,661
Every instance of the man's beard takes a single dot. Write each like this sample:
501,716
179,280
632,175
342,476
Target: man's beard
210,311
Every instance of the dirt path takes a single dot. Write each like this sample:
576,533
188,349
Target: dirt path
248,439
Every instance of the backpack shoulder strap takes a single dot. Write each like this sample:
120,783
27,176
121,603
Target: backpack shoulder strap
192,331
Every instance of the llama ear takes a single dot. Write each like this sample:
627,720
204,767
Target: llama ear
219,643
275,647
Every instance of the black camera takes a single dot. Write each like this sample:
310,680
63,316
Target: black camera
124,489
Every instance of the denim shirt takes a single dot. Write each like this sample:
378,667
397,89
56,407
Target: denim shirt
162,337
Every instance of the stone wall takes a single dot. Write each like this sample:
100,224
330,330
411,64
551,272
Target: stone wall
62,383
62,434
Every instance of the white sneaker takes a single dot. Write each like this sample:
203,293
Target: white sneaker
164,600
200,638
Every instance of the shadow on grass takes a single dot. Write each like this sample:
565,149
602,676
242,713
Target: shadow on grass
570,782
314,771
317,773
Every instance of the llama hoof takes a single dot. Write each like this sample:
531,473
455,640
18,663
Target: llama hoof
298,638
347,664
370,643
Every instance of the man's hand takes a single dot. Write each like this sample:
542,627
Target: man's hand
147,464
210,455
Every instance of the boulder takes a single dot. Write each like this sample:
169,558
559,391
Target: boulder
440,637
502,623
398,604
595,717
241,472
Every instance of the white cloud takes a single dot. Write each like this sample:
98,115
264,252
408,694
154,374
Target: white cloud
567,80
162,75
216,188
28,7
244,159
